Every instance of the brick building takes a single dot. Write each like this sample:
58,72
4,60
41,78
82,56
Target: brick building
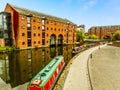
34,29
104,32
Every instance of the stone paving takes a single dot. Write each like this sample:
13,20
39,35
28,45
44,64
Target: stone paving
77,78
105,68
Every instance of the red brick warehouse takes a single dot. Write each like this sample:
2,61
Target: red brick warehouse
34,29
104,32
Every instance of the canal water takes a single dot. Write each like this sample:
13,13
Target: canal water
18,68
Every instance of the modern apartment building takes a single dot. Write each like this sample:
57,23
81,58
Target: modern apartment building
5,29
104,32
35,29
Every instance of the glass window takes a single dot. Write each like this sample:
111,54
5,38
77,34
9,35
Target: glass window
47,28
34,34
43,28
4,17
23,26
5,35
39,28
38,34
29,35
34,27
28,19
0,20
23,43
28,26
42,22
22,18
38,42
39,20
34,20
5,26
23,34
34,42
43,35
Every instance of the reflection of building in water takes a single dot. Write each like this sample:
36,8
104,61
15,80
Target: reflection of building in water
52,52
4,67
36,62
18,68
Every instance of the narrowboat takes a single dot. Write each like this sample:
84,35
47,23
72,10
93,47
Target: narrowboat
47,77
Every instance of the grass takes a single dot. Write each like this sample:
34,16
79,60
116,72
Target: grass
5,48
8,48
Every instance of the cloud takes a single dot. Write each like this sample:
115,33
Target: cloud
89,4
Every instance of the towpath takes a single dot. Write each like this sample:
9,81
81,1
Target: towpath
77,78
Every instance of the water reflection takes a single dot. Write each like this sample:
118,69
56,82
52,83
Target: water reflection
17,68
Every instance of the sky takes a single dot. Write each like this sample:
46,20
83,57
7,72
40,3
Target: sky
87,12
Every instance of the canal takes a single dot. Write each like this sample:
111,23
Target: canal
18,68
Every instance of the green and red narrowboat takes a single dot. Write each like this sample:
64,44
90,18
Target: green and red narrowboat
47,77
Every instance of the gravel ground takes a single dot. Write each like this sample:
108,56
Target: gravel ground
105,68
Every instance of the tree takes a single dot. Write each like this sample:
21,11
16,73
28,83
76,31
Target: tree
80,35
93,36
116,35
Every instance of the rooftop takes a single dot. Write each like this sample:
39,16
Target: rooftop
38,14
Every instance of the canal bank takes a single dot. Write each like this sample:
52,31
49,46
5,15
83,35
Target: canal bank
75,76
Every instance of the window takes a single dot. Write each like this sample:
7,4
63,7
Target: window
43,35
34,34
42,22
5,35
39,28
34,27
47,41
47,28
34,42
28,26
43,42
23,43
38,34
51,28
38,42
23,26
39,20
29,35
55,29
28,19
34,20
5,26
43,28
47,34
47,22
22,18
23,34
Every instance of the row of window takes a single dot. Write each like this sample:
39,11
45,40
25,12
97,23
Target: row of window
29,35
38,28
23,43
47,22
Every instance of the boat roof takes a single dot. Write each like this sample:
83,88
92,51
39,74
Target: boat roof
46,72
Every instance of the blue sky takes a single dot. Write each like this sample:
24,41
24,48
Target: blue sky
88,12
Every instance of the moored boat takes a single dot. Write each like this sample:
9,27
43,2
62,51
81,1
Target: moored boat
47,77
